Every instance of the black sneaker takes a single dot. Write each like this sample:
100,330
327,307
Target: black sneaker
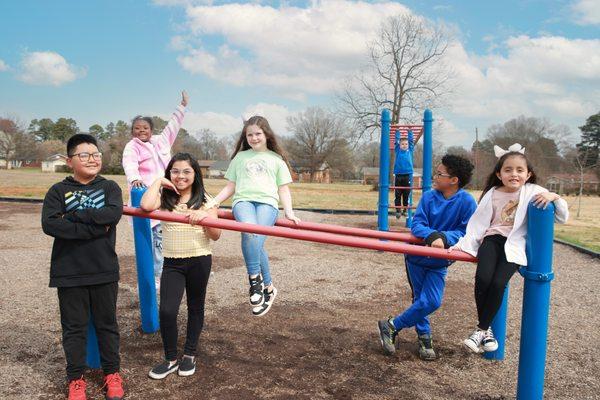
397,214
187,366
387,335
266,305
257,288
426,351
162,370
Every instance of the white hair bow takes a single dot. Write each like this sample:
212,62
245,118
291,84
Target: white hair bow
516,148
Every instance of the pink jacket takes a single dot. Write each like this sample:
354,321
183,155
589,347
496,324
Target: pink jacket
146,161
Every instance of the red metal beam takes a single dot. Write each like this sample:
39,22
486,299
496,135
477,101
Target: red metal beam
300,234
406,187
342,230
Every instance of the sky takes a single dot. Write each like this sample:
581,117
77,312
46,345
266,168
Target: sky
101,61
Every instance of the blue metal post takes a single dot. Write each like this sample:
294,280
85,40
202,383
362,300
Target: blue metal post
93,354
409,212
384,171
427,149
142,236
499,328
536,302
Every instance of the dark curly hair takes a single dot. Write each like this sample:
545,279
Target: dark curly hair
459,167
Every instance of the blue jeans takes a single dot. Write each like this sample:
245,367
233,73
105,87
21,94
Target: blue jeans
157,250
255,256
427,286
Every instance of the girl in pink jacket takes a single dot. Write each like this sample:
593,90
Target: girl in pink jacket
144,160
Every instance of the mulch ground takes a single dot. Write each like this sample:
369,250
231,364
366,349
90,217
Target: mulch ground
318,342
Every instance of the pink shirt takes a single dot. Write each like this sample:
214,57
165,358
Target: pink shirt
146,161
504,205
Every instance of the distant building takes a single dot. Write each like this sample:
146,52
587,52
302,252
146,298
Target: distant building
301,173
569,183
51,163
205,167
218,168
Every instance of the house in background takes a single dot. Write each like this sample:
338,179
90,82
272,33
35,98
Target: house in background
569,183
205,167
301,173
51,163
218,168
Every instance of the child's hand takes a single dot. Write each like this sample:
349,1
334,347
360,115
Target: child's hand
541,200
292,217
196,216
167,184
184,98
138,184
439,243
452,248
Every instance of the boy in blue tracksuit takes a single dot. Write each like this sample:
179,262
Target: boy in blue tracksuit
440,220
403,170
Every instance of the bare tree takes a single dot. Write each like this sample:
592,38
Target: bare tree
11,134
317,134
406,73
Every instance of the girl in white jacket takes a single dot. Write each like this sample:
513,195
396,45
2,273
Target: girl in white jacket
496,235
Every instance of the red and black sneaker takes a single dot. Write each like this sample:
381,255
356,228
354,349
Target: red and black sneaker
113,384
77,389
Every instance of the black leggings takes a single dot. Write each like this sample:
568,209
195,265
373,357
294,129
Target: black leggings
401,195
491,278
178,274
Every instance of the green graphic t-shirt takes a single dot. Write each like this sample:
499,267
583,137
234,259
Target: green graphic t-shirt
257,176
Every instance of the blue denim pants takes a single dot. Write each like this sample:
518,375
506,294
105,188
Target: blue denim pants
255,256
157,250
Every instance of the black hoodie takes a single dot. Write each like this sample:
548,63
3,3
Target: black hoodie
83,219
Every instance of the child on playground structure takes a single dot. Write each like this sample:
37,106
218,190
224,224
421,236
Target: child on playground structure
440,220
82,213
403,170
187,258
497,233
258,178
144,160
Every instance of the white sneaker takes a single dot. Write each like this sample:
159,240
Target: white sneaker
473,343
489,341
266,305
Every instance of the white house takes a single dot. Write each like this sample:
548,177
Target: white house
50,163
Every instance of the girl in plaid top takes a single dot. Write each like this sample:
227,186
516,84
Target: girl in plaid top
187,258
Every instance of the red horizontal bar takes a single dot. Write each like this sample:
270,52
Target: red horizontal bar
300,234
411,207
406,187
342,230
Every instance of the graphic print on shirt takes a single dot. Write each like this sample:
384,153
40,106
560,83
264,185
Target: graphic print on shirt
507,216
257,171
82,199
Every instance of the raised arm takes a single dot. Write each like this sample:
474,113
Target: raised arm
172,129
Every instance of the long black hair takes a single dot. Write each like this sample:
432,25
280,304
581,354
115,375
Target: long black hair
169,199
493,180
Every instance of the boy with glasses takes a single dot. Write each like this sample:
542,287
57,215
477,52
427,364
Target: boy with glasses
440,220
82,213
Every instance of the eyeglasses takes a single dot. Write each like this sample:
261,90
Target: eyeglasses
185,172
439,174
86,156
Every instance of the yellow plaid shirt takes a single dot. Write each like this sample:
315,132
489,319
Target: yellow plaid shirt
184,240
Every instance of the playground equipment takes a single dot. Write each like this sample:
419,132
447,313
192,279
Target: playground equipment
536,295
425,131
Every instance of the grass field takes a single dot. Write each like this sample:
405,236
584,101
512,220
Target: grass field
584,231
